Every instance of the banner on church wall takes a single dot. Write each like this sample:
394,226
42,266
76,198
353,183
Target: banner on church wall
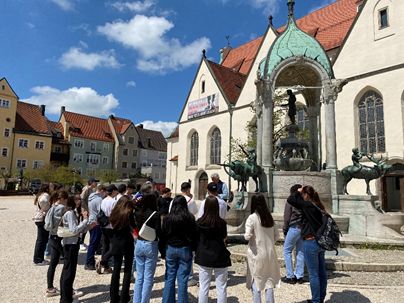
204,106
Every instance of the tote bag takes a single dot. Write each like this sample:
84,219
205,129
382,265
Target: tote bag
146,232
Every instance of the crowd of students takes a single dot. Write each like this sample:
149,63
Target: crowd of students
133,225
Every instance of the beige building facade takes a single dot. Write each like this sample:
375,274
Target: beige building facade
364,42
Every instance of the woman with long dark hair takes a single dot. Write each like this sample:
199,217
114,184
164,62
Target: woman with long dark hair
146,252
122,222
71,250
211,253
179,234
308,200
42,206
263,270
55,242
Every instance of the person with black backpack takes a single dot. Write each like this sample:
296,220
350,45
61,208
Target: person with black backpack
308,201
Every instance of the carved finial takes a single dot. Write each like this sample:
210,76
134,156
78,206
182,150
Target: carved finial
270,20
228,40
204,53
291,5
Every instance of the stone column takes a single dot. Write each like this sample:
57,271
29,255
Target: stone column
331,89
312,114
258,113
267,136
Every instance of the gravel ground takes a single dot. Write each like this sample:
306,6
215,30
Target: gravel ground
347,254
21,281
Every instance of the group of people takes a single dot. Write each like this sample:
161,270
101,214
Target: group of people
133,225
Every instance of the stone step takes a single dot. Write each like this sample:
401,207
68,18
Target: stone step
342,221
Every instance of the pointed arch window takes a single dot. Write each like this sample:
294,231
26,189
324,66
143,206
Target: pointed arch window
194,149
215,147
371,123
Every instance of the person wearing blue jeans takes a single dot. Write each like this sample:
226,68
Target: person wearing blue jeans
315,261
146,253
95,239
308,201
293,239
178,266
292,218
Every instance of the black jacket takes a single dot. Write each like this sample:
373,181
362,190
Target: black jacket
211,250
154,222
181,234
163,205
312,216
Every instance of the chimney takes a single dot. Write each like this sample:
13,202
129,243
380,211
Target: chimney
111,116
223,53
62,109
42,109
140,126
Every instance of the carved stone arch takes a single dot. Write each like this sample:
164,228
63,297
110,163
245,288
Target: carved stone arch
192,150
201,184
202,84
214,152
360,125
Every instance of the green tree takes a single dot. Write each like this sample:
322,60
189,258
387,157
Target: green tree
107,175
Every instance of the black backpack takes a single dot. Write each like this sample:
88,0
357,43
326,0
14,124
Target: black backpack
102,219
327,236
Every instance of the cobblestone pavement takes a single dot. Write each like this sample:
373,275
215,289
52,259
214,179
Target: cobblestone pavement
21,281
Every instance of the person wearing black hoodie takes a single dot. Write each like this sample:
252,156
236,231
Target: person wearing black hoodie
211,253
308,201
179,238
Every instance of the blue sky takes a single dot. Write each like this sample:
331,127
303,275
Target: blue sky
134,59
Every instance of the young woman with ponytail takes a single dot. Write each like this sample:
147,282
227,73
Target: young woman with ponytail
308,200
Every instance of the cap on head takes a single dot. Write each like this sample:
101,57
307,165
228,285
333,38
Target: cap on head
212,187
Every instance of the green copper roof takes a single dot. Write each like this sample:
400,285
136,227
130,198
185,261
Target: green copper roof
294,43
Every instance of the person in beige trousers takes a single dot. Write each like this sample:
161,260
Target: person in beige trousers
263,270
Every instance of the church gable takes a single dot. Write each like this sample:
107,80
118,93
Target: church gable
205,97
379,28
7,90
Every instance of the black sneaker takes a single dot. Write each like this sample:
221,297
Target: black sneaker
289,280
89,267
300,281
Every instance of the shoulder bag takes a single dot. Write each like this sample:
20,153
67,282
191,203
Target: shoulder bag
64,231
146,232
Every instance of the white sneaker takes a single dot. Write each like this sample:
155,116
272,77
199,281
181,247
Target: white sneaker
83,247
77,294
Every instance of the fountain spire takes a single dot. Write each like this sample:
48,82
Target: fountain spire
291,6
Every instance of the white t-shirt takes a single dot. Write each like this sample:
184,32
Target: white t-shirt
192,207
107,205
222,208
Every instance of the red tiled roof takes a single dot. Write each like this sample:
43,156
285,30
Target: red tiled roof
230,81
241,58
88,127
121,125
175,133
30,120
329,25
56,129
156,142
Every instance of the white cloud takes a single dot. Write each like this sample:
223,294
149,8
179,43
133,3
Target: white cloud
84,100
131,83
85,27
75,57
30,25
165,127
136,6
158,53
66,5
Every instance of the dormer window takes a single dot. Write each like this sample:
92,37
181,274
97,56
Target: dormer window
383,18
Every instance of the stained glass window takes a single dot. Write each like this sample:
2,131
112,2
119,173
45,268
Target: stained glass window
371,123
215,146
194,149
